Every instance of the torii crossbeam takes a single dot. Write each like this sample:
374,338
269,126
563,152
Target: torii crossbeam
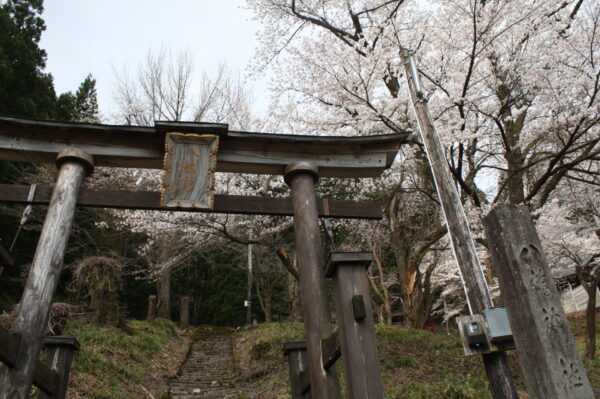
78,147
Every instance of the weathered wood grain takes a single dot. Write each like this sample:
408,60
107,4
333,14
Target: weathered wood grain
547,353
43,377
189,170
59,355
331,350
324,384
31,320
234,204
362,371
46,379
295,351
9,347
476,289
240,152
6,258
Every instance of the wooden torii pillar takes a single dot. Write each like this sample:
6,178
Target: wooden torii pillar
301,177
302,159
32,318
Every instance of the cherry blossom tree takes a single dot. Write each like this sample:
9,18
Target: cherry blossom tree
569,226
512,84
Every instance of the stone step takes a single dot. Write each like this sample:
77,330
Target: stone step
208,372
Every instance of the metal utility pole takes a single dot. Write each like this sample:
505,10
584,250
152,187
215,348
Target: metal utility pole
249,292
476,289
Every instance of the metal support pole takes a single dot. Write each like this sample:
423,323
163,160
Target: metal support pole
295,351
301,177
362,372
60,350
478,295
32,318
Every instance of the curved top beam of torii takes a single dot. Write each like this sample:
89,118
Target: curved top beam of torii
239,152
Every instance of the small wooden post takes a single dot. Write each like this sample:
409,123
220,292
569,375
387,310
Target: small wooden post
355,320
502,384
184,313
152,307
547,353
31,320
295,351
301,177
60,350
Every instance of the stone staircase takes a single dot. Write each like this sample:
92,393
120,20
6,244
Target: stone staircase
209,370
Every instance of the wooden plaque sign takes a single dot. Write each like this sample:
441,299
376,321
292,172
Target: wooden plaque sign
189,170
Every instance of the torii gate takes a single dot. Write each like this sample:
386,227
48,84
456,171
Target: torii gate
78,147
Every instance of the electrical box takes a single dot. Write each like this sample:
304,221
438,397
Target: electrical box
475,335
485,333
498,325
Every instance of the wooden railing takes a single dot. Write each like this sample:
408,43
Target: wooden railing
51,382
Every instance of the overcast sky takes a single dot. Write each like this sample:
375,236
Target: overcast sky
98,36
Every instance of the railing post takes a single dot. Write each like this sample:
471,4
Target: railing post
60,350
352,295
301,177
295,351
31,320
184,312
152,307
547,353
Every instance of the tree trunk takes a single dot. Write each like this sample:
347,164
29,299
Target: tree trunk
164,295
384,312
388,312
590,318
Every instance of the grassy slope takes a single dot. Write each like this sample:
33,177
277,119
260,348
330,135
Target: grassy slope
415,363
113,364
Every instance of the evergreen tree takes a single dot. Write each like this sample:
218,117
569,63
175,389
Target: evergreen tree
25,90
81,106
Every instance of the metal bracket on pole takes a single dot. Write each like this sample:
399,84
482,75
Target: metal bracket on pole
25,215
